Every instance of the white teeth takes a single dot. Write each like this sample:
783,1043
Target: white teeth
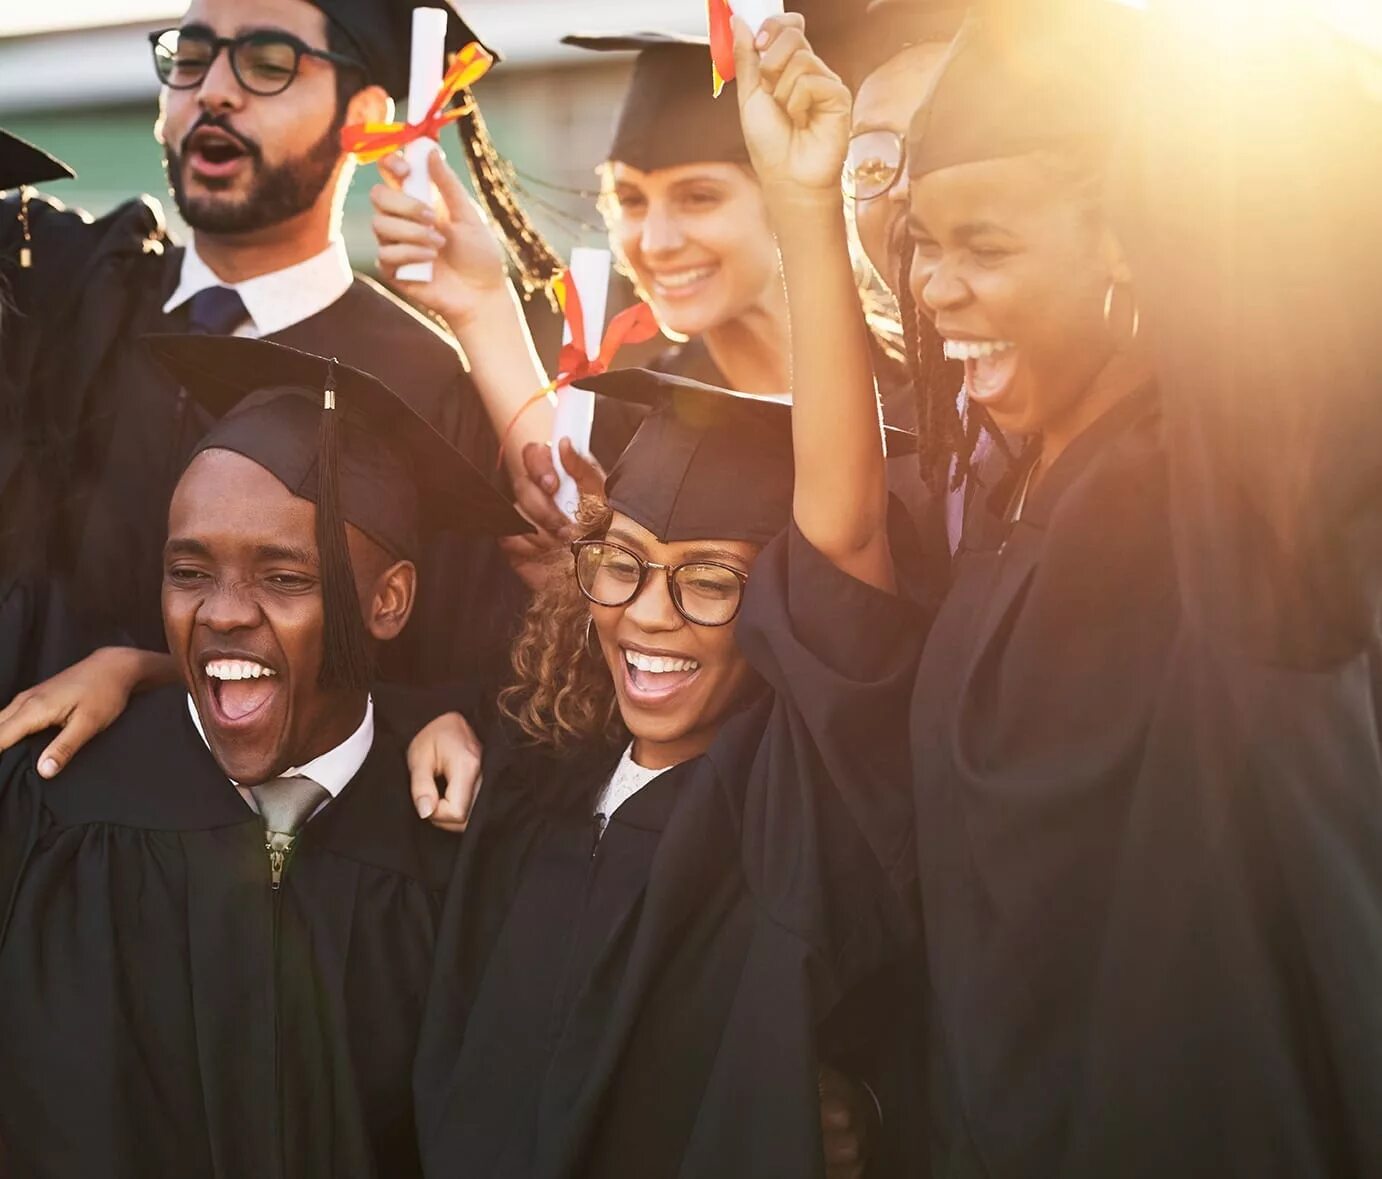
684,278
975,349
237,669
659,664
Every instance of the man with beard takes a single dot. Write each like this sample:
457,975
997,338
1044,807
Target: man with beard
255,93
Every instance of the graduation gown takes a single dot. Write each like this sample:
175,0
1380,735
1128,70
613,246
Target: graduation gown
1145,730
655,1003
163,1011
107,432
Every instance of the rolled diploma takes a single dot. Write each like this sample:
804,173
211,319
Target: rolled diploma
424,80
754,12
575,414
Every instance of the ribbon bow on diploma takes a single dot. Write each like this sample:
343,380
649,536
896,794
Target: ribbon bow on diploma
633,325
369,142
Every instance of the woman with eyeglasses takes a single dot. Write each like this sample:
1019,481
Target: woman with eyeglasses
665,918
1144,740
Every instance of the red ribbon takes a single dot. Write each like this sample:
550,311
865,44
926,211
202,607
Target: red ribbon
369,142
721,43
634,325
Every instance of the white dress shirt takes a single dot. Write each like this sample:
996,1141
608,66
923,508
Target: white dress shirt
332,770
276,300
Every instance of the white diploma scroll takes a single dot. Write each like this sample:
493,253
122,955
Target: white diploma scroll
754,12
424,80
590,271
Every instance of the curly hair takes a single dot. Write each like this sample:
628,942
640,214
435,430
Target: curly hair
563,694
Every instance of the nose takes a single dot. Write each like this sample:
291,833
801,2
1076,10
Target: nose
941,288
228,607
652,609
220,90
662,232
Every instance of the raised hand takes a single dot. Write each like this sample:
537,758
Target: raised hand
795,112
468,263
531,556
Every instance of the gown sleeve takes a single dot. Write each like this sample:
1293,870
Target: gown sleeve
828,826
1258,271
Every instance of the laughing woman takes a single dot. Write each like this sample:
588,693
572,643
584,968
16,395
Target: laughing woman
665,915
1145,748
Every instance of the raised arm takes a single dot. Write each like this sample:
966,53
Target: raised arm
796,116
470,290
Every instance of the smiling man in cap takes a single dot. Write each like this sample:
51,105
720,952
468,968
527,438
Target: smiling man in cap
216,929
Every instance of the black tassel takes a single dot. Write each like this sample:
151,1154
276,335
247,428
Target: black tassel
345,657
534,259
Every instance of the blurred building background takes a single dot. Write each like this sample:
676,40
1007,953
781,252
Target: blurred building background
76,77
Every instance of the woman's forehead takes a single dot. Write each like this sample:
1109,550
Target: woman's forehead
626,530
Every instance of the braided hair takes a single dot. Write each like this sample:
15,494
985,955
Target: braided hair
947,434
536,263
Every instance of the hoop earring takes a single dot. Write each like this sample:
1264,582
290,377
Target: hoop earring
589,626
1136,324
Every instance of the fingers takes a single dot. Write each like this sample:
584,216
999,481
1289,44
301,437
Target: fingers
78,730
746,71
784,44
394,170
394,230
422,764
538,507
809,94
530,557
392,257
459,203
22,717
584,469
462,789
537,459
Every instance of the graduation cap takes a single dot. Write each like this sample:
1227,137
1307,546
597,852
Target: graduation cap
344,440
1026,76
855,37
381,35
669,116
22,164
707,463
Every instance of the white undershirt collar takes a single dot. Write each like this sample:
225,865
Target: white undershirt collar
332,770
279,299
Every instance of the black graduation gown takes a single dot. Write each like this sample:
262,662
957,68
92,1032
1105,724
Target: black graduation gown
163,1012
653,1004
108,432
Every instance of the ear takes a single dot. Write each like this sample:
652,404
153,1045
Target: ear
370,105
391,601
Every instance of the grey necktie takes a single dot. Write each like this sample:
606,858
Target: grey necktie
285,804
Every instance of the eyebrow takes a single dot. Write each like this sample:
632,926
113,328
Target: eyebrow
700,553
186,546
973,229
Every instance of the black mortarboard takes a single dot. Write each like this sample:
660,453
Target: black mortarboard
707,463
1027,76
855,37
344,440
381,35
669,115
21,163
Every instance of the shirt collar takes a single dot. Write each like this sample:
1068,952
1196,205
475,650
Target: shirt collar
334,768
279,299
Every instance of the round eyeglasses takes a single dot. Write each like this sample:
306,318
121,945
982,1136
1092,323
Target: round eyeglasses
264,63
874,163
704,592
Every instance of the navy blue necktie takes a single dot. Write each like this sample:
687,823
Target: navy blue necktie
216,311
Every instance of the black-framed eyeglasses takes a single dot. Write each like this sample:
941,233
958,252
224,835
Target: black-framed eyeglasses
874,163
265,63
707,593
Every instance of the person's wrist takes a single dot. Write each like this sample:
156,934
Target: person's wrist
791,202
488,305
